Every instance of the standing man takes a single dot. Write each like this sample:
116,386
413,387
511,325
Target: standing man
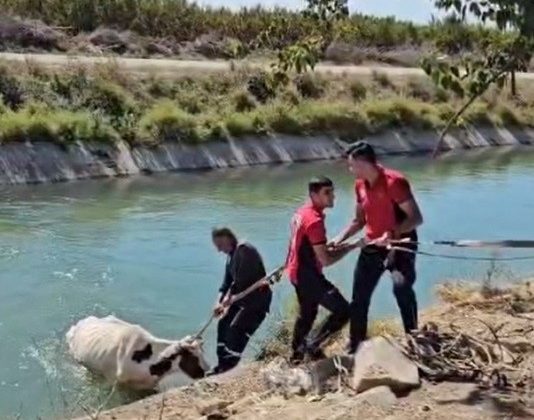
308,254
386,207
240,320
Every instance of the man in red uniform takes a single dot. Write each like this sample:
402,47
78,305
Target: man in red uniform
388,210
308,254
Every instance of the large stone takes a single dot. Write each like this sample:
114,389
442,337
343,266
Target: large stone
280,377
325,369
379,363
378,397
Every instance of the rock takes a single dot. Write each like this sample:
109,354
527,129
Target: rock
323,370
244,403
110,39
342,53
158,48
378,363
279,376
215,409
31,33
454,392
378,397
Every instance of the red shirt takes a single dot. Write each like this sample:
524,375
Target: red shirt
380,201
307,229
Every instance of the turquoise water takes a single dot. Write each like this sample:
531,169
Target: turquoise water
140,248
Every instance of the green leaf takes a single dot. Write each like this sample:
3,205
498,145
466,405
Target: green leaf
457,88
436,75
427,67
445,81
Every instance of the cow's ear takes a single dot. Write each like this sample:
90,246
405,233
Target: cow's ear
160,368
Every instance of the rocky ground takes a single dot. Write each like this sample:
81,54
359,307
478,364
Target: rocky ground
473,360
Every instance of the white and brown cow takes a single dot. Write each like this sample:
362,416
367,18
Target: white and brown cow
129,355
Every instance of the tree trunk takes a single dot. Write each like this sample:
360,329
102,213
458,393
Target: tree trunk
513,84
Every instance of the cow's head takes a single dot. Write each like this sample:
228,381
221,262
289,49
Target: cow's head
186,356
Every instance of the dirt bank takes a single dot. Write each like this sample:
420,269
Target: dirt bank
501,320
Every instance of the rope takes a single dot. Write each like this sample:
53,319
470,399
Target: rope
473,243
269,280
460,257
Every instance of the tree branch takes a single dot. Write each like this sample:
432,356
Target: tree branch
459,113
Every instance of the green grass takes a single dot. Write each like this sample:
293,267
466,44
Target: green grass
35,123
105,104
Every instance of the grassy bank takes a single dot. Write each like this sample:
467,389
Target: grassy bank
105,104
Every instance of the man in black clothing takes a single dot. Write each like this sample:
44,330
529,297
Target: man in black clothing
240,320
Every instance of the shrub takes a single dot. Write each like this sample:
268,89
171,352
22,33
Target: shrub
281,118
260,87
109,98
420,89
290,96
382,79
37,123
243,101
441,95
11,90
239,125
358,91
166,122
310,85
397,112
507,116
340,118
191,100
478,114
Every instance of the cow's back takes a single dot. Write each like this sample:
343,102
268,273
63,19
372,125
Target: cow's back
97,343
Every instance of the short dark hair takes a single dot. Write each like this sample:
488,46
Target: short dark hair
318,182
361,150
223,232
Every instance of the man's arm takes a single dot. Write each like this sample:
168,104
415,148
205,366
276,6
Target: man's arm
328,257
244,259
226,284
357,224
401,193
414,218
218,308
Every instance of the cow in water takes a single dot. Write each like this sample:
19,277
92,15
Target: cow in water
128,355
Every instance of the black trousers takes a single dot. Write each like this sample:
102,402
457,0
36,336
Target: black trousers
314,291
233,334
367,273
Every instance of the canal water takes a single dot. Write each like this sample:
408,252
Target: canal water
140,248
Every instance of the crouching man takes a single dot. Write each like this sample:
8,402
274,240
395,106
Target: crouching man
308,254
239,320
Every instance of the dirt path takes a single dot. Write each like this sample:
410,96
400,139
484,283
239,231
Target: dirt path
170,67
